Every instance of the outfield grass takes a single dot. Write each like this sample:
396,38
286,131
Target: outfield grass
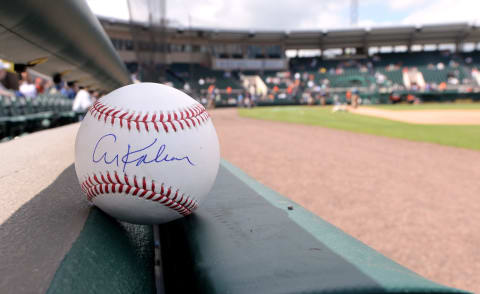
458,136
430,106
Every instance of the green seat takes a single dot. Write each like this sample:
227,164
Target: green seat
65,112
36,120
16,122
3,120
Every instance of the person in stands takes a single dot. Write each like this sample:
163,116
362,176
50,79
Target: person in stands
59,85
3,76
40,85
82,100
27,88
71,90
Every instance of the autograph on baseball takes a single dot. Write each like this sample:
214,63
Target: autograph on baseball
138,157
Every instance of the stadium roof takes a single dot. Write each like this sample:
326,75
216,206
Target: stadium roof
61,36
325,39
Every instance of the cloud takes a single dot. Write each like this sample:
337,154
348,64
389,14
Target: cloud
246,14
301,14
370,23
110,8
253,14
443,11
406,4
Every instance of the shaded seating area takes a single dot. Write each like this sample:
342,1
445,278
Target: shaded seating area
21,115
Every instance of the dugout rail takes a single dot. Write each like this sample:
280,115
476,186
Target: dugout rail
245,238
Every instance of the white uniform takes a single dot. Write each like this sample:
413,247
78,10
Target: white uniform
82,101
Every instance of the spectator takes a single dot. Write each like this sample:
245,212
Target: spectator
59,86
395,98
39,85
290,89
348,96
82,100
186,87
380,78
71,90
410,98
3,75
442,86
210,89
240,99
247,100
26,88
48,86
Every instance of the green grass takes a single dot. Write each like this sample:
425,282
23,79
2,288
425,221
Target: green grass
458,136
430,106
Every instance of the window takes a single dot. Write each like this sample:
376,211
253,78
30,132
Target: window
274,51
255,51
117,44
128,45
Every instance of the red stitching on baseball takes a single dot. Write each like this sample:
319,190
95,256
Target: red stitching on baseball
129,120
105,184
194,115
121,118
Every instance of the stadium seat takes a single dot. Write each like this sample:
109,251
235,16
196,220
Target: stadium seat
20,115
4,119
16,123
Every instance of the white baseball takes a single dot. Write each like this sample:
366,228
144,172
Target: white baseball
147,153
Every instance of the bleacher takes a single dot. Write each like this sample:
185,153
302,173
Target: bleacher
349,78
412,58
271,79
179,74
433,75
395,76
20,115
337,75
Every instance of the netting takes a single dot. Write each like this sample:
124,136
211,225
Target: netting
148,29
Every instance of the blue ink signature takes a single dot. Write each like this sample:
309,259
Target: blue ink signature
138,157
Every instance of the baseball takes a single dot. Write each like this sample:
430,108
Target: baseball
147,154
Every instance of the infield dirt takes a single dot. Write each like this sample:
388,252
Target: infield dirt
415,202
434,117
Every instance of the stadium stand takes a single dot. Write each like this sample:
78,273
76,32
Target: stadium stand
375,77
180,72
20,115
345,63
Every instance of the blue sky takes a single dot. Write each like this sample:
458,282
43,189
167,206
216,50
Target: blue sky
303,14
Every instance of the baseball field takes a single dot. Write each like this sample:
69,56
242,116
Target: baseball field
393,185
446,124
